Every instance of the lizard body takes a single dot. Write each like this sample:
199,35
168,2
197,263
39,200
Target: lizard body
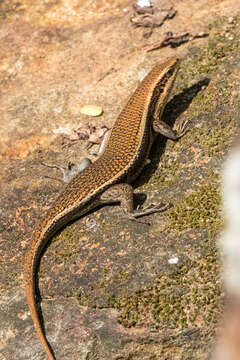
108,178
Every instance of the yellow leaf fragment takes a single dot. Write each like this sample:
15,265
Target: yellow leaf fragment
91,110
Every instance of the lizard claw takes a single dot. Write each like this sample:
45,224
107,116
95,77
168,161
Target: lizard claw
150,209
182,128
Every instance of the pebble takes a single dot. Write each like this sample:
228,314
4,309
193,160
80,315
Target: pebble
91,110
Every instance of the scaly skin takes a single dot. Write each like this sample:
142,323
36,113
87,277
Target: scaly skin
122,161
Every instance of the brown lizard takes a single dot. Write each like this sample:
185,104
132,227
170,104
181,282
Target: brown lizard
108,178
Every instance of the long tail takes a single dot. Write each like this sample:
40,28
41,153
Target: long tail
61,213
31,264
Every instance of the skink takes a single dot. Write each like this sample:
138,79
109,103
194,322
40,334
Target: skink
108,179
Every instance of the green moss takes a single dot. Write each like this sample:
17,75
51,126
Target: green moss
66,245
217,50
188,296
167,173
197,210
215,142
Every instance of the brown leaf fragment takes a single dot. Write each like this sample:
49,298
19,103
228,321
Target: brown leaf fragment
82,133
154,18
176,40
199,35
93,138
101,132
73,136
155,45
173,40
97,136
94,135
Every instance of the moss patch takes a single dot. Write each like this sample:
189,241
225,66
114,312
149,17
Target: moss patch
189,296
167,173
200,209
66,245
223,43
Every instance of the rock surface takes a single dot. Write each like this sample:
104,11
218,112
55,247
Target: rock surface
108,289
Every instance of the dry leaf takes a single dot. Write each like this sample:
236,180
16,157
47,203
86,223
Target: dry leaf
151,16
173,40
